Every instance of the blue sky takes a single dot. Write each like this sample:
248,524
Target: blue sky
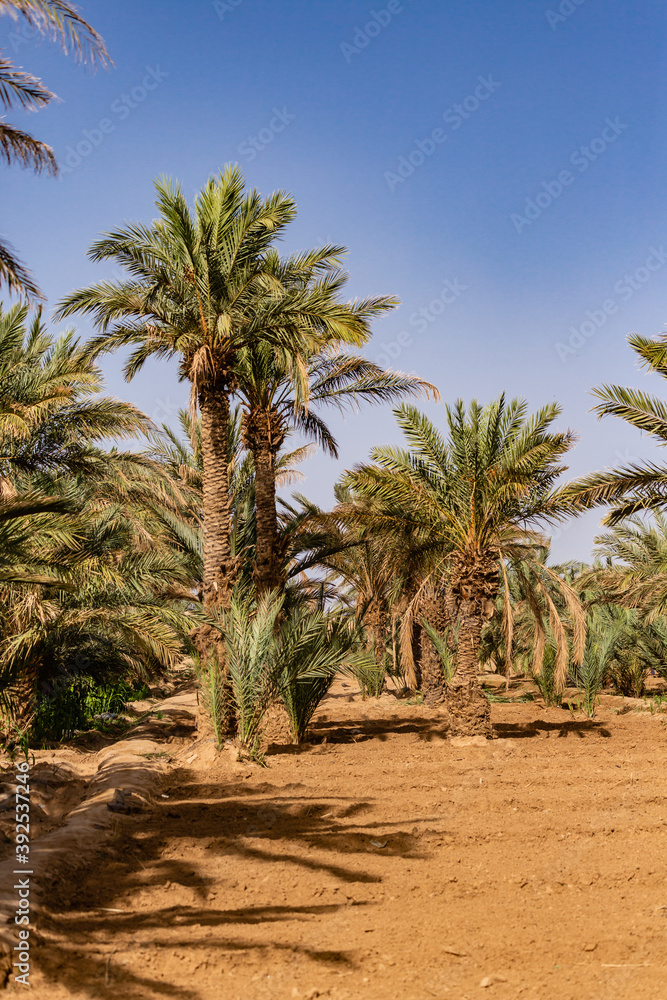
497,166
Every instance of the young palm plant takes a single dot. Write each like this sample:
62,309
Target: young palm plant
276,647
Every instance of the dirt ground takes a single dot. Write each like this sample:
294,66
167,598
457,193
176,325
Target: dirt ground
382,862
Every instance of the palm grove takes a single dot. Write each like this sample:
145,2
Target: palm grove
115,563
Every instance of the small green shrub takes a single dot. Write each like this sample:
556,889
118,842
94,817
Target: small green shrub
370,677
447,656
628,674
314,646
73,705
589,678
274,652
546,679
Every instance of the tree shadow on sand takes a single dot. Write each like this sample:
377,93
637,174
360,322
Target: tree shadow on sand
528,730
323,835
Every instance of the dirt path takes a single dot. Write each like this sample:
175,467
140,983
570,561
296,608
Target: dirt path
384,863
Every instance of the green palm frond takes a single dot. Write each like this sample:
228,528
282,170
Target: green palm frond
646,413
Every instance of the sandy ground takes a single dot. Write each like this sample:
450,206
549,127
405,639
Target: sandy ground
383,861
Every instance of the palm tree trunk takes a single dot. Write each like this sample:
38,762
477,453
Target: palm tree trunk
263,436
268,569
219,564
469,709
474,582
433,685
375,622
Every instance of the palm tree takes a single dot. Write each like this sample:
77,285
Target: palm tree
110,593
631,566
202,287
276,398
89,538
52,413
533,627
60,22
637,486
472,499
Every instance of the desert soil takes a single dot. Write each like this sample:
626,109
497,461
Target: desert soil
382,861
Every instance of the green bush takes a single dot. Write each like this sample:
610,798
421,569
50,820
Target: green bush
546,679
73,705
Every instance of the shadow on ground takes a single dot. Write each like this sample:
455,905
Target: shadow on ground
263,823
527,730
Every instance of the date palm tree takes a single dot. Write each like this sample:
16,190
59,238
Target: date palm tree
637,486
91,567
60,22
631,566
202,287
473,499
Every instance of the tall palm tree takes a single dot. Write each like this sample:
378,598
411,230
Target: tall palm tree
60,22
473,498
276,398
636,486
202,287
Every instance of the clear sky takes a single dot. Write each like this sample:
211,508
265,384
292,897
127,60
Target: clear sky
496,165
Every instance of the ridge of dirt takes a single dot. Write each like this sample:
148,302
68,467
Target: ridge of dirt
382,861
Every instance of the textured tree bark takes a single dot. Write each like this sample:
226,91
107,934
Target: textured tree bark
469,709
433,684
22,696
474,582
375,622
219,564
264,435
